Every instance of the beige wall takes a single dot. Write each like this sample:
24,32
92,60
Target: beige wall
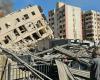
70,18
30,25
91,20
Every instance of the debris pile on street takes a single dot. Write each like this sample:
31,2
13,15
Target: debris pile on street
71,60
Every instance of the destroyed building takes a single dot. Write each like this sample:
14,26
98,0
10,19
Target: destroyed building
21,30
24,28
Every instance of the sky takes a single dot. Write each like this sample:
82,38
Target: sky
50,4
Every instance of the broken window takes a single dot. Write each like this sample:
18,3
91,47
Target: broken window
7,25
16,32
37,25
22,29
33,13
7,39
42,31
28,38
18,20
39,22
35,36
26,16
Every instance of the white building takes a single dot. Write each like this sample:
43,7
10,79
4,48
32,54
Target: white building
24,27
66,21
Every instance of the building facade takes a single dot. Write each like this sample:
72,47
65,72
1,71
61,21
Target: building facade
66,21
91,25
24,27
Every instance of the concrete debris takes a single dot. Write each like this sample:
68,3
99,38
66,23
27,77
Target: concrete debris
68,59
63,69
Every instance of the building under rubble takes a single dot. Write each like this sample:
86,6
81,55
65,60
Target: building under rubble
26,27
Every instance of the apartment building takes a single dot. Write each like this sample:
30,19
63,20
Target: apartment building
66,21
25,27
91,25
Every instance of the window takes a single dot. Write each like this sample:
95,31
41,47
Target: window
0,43
42,31
28,38
63,25
7,39
64,36
33,13
60,31
22,29
35,36
40,9
7,25
39,22
52,23
60,36
18,20
37,25
30,25
0,28
60,26
44,17
26,16
16,32
49,19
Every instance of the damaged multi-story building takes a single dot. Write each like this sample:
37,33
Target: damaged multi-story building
24,28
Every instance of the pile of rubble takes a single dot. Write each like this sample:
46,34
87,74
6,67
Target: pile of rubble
71,60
